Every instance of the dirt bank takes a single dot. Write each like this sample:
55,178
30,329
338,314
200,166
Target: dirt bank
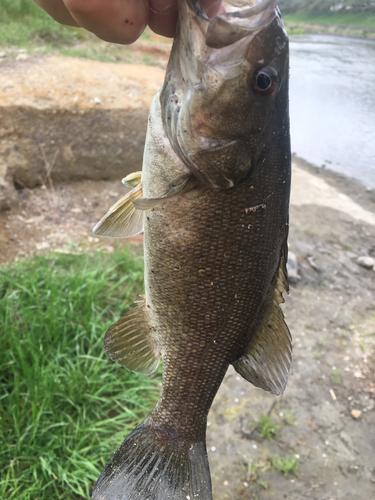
326,417
76,118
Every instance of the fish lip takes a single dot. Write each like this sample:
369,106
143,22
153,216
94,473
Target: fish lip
225,29
251,11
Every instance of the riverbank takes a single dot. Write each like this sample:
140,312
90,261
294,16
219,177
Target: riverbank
27,30
350,25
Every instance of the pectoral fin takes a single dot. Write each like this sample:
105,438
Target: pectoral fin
122,220
266,361
148,203
132,180
130,343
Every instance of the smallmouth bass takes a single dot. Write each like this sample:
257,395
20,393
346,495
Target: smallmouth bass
212,199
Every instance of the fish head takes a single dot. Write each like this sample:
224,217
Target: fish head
225,95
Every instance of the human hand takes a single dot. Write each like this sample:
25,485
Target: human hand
117,21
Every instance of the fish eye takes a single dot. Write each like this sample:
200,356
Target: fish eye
265,81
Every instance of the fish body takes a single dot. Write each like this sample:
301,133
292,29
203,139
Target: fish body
213,200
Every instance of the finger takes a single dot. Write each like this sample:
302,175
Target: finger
163,17
116,21
57,10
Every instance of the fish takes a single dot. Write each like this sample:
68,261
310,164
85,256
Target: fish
212,199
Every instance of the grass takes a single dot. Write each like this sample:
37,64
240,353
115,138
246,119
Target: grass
360,19
24,26
286,465
336,380
254,472
288,418
265,427
64,406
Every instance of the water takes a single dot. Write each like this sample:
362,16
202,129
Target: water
332,103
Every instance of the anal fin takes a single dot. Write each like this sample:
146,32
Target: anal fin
129,342
266,361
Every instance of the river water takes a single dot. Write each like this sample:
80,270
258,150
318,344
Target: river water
332,103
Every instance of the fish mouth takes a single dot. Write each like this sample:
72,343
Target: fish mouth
234,19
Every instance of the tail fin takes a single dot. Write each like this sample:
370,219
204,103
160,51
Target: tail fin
150,465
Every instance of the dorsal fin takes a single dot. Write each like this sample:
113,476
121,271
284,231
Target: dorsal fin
266,361
130,342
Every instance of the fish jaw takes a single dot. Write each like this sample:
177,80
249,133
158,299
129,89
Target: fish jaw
236,19
211,114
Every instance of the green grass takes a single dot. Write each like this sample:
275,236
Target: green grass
24,25
336,380
265,427
64,406
288,418
361,19
286,465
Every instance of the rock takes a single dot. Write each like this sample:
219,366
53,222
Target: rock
43,245
356,414
366,262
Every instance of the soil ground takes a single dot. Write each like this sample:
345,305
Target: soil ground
326,417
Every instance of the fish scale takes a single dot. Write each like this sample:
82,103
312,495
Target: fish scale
212,199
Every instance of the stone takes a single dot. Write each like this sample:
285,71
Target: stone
366,262
356,414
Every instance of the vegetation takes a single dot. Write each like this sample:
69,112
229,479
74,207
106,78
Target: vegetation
25,26
254,471
288,418
319,6
332,18
23,23
336,380
286,465
64,406
265,427
346,14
